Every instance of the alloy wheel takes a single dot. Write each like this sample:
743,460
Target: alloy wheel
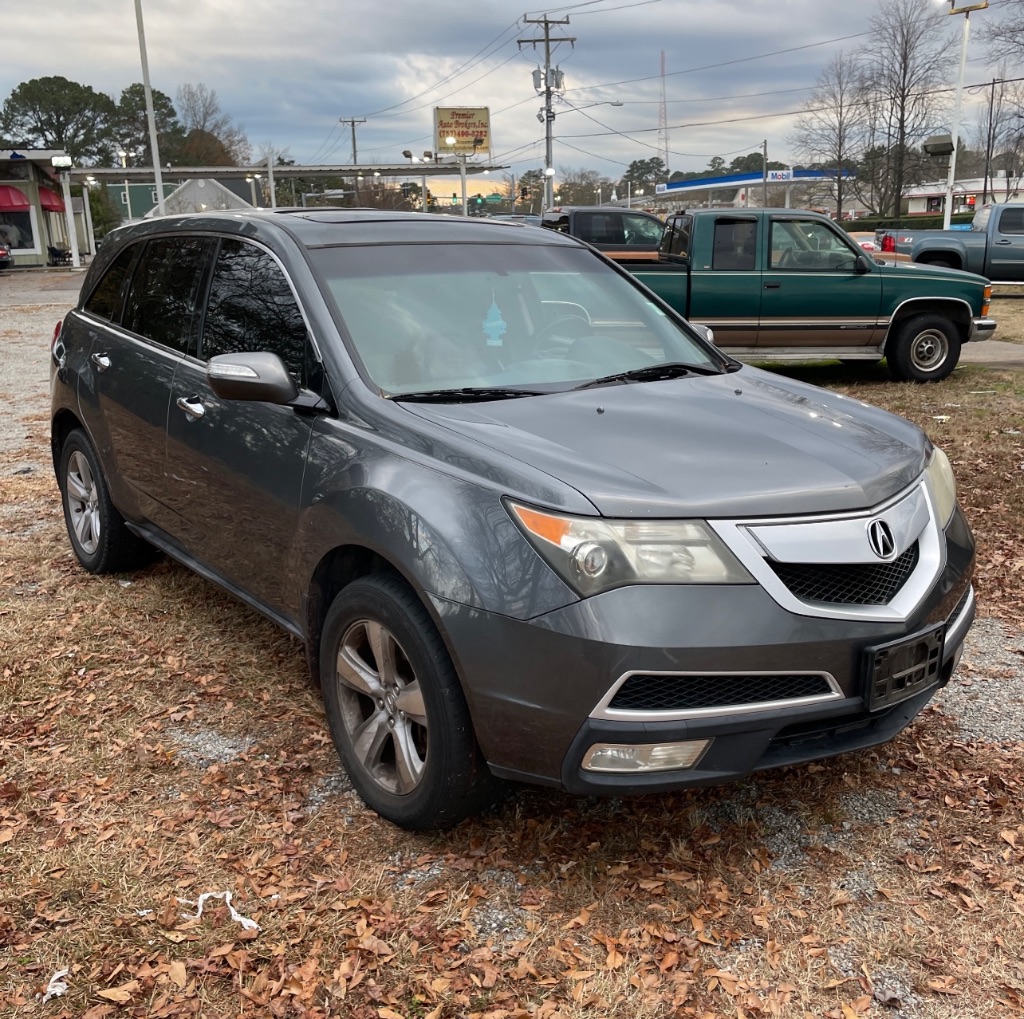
83,502
382,706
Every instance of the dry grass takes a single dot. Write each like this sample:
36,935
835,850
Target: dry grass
1008,311
159,740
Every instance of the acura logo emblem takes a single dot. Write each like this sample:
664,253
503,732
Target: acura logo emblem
881,540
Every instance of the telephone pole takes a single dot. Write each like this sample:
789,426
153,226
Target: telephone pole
552,81
353,121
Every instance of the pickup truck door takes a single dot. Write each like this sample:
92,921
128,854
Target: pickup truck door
1006,246
813,294
725,285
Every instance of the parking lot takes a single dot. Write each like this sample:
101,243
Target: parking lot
160,741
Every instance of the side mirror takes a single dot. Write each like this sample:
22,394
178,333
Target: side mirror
260,376
704,332
863,264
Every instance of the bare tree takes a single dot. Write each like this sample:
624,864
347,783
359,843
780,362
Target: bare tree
908,63
211,136
832,125
582,187
1002,29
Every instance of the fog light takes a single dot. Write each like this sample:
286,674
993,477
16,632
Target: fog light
640,757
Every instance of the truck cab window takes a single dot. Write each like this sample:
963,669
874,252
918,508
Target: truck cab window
735,244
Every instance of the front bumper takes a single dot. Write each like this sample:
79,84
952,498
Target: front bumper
981,329
538,689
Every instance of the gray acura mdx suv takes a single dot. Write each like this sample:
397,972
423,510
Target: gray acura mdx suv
527,522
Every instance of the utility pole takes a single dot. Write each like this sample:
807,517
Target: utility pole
764,176
353,121
550,84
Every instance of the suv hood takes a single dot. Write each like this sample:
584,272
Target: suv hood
743,444
935,272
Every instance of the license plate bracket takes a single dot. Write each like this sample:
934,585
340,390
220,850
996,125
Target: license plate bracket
902,668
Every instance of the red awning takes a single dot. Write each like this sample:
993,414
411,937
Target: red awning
50,200
14,200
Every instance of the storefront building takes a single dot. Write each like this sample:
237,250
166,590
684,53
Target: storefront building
33,220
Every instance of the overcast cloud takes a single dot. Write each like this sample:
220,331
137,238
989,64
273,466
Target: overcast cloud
287,71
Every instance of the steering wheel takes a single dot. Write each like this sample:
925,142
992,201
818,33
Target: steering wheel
786,258
566,327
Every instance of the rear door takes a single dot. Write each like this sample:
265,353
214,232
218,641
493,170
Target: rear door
1006,247
725,282
813,294
135,349
237,465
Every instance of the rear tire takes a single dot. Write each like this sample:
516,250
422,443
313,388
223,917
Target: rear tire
925,349
99,538
396,710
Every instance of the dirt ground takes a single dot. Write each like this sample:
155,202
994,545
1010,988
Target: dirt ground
1008,311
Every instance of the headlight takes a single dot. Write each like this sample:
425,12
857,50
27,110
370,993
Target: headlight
592,554
938,476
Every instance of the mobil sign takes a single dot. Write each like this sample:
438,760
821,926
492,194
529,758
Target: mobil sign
777,175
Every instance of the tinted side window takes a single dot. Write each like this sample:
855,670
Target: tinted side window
735,244
105,300
161,303
676,239
600,228
1011,221
252,308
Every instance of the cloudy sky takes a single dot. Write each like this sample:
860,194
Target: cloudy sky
287,71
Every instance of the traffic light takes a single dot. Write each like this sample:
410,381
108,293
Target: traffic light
406,187
524,192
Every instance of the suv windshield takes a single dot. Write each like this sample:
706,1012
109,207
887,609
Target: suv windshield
426,317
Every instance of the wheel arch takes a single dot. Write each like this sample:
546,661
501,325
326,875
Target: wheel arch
64,422
956,310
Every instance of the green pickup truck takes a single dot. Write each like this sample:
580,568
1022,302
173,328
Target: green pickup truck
786,284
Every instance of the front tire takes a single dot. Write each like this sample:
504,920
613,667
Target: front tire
925,349
99,538
396,711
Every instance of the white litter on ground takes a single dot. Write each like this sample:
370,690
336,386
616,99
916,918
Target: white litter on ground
249,925
57,987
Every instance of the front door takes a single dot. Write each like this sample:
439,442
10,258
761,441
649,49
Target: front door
812,292
236,466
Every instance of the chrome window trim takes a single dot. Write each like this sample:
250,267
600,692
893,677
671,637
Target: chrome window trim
739,536
604,711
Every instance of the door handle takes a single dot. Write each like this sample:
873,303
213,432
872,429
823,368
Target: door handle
773,286
101,361
1004,240
192,407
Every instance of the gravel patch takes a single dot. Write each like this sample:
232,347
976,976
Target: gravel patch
203,747
985,697
31,304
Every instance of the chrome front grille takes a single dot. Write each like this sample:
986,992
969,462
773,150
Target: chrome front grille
847,583
651,693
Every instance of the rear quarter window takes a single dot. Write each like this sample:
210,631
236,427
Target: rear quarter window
105,299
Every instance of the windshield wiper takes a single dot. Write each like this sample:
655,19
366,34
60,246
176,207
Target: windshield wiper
464,395
653,373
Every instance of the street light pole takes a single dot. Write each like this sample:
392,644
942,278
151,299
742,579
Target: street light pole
150,115
947,211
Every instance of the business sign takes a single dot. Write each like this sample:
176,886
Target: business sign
470,126
777,175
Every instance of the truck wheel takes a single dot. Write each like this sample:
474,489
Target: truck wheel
939,263
99,538
396,711
925,349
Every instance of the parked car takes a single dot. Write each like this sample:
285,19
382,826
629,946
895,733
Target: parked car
866,239
6,261
527,219
992,247
527,523
625,235
787,284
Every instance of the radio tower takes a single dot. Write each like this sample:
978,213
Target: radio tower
663,119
